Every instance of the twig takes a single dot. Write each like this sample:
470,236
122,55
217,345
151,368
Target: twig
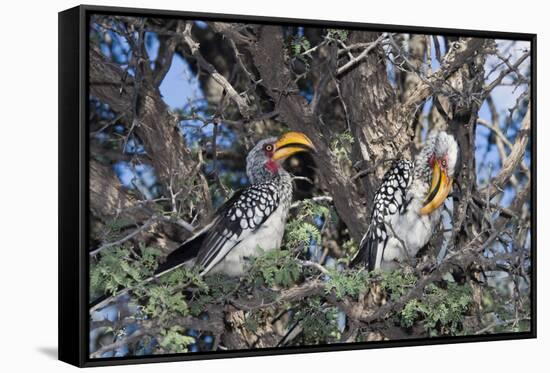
317,266
454,59
296,293
516,155
109,123
303,178
511,68
132,234
314,199
138,334
241,102
502,323
360,57
178,221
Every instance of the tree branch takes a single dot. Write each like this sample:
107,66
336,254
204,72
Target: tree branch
155,125
515,157
462,52
353,62
241,101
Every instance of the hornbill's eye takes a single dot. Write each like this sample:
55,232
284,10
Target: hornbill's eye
444,163
268,147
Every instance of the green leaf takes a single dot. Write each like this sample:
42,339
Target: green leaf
337,34
346,283
118,267
162,302
174,341
319,321
274,268
440,310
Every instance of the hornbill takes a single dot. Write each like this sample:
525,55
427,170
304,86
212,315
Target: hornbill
407,205
253,219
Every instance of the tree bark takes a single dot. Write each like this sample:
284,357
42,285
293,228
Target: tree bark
156,126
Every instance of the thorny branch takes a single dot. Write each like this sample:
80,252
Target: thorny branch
241,101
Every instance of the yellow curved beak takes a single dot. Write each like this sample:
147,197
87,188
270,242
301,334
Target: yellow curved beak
291,143
440,189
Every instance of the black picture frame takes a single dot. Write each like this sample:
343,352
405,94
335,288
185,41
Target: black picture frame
74,196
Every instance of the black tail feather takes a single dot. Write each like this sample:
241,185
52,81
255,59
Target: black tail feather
366,256
187,251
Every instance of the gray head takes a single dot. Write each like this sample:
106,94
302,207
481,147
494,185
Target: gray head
440,148
264,161
436,166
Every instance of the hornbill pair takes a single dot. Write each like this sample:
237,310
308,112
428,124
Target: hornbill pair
406,209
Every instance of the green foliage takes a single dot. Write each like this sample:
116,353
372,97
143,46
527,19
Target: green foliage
173,340
350,248
340,34
299,234
300,231
319,322
410,312
149,258
184,277
502,313
171,298
342,139
274,268
165,297
217,288
309,208
163,302
440,311
340,146
119,267
397,283
298,45
347,283
113,227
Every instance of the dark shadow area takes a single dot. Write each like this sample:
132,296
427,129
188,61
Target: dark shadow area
51,352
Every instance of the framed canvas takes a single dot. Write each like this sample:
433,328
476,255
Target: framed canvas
238,186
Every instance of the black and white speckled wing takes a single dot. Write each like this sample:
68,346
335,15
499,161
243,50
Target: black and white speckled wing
236,220
389,201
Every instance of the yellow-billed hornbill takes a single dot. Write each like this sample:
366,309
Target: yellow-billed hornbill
253,219
408,204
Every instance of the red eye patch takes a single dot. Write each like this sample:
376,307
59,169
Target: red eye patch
272,166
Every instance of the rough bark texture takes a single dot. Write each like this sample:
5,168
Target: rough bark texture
295,112
372,104
154,124
107,196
